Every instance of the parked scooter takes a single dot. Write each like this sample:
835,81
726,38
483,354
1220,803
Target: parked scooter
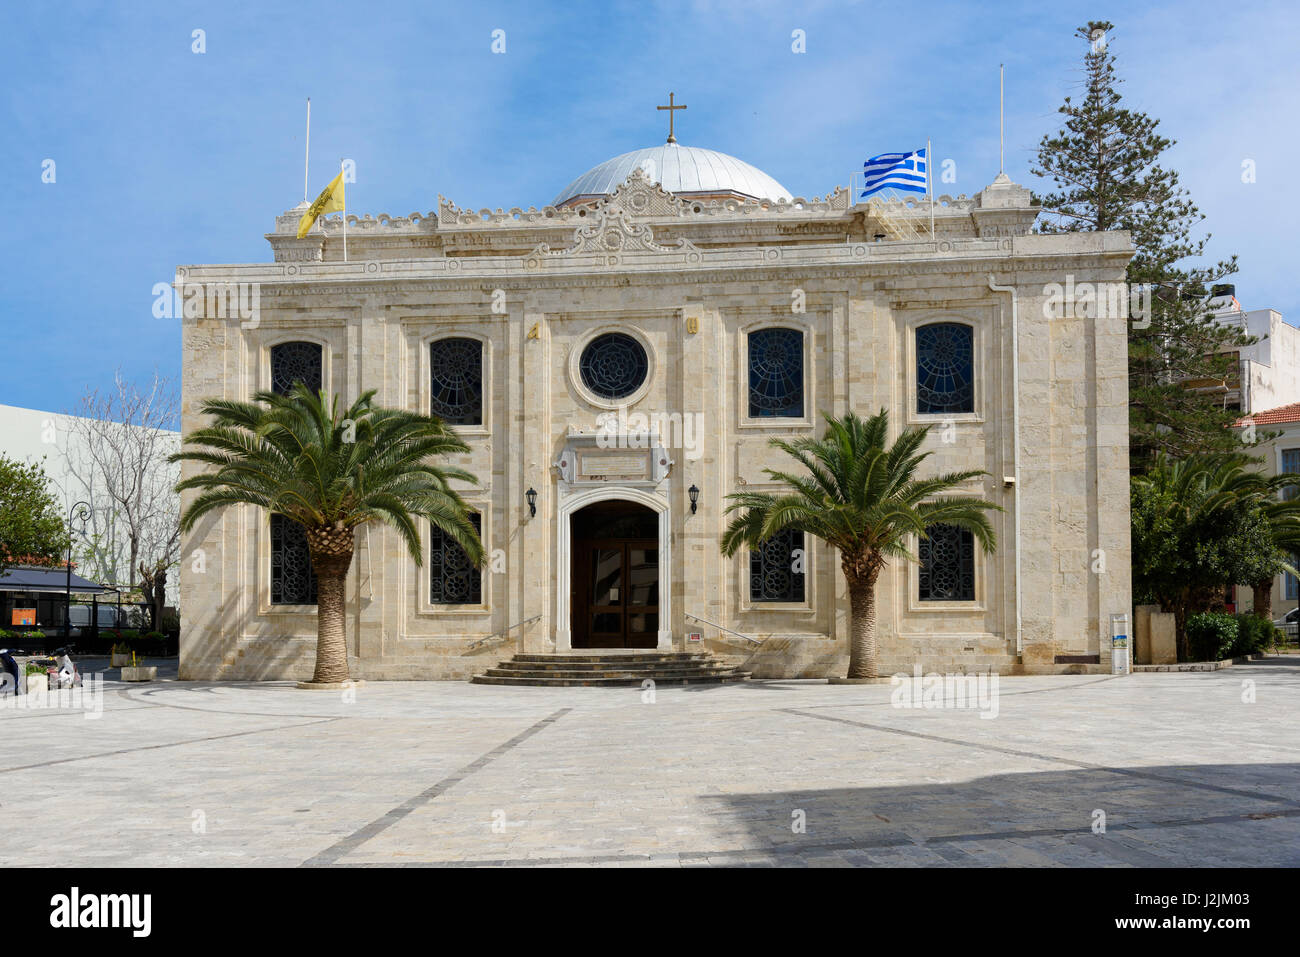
8,673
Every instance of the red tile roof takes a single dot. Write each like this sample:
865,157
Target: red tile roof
1285,413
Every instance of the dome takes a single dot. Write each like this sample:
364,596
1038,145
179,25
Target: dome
678,169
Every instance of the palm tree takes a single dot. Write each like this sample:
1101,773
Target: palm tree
297,456
1282,516
864,499
1206,521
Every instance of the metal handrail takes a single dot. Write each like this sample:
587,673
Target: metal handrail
714,624
501,634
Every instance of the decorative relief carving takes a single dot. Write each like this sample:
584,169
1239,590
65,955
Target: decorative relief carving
630,458
369,224
639,197
612,231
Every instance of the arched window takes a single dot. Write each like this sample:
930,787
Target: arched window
776,568
613,365
947,555
296,362
292,580
945,368
456,381
776,373
453,578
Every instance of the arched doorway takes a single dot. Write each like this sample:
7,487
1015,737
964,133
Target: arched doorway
614,576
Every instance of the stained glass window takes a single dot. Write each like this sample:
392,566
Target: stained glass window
456,381
453,578
613,365
292,580
776,568
295,362
947,564
945,368
776,373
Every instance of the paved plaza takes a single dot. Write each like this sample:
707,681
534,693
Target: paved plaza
1185,768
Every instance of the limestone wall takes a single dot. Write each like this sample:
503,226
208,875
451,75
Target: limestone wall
859,320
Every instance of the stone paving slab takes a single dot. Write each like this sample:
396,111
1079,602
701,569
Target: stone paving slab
1187,770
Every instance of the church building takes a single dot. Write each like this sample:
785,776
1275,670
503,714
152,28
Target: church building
618,362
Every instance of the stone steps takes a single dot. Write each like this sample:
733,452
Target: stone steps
617,656
597,667
611,670
594,682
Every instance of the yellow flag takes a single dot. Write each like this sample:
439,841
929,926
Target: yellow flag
330,201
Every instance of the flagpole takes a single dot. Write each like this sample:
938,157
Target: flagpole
929,182
343,186
1002,122
306,160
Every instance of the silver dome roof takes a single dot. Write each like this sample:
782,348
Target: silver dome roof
678,169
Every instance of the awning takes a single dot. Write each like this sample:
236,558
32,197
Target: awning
47,580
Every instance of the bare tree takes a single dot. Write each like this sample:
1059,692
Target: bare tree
117,460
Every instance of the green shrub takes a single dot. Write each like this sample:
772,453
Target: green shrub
151,644
1211,635
1253,636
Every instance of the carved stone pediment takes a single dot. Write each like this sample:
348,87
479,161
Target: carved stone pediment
611,231
638,196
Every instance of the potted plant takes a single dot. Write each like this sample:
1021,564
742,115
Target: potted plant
120,655
138,672
36,678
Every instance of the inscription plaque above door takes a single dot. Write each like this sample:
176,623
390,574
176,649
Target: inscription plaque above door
594,458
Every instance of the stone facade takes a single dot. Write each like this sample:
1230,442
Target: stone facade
689,280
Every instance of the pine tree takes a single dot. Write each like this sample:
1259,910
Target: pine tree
1105,164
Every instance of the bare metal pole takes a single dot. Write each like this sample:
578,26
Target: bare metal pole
306,161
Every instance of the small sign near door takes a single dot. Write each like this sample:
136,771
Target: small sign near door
693,636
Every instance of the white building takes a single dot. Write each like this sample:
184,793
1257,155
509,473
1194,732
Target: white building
1268,374
58,443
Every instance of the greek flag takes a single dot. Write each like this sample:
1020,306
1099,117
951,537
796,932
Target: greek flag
905,171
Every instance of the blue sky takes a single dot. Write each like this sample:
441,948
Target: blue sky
166,157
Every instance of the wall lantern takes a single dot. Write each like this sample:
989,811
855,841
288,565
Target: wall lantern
694,493
531,495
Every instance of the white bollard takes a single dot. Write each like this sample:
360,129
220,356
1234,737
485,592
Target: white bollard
1119,651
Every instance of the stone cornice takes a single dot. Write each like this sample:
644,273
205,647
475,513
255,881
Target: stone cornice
1053,252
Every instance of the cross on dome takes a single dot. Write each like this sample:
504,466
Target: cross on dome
670,108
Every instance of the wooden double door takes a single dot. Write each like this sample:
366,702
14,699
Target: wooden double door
615,577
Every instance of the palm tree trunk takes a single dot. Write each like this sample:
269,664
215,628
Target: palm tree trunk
331,608
864,659
1263,599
